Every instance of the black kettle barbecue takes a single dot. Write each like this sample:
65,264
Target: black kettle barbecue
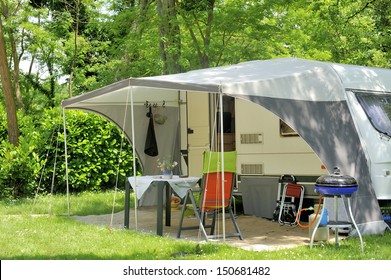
336,184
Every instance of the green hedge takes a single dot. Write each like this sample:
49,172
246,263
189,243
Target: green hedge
94,152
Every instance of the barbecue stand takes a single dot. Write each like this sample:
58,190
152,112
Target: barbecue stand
332,187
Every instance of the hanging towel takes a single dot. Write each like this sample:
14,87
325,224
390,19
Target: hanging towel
150,142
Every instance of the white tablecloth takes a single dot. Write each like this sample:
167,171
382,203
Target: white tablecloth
140,184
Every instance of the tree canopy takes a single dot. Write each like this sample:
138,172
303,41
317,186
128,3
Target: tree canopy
61,48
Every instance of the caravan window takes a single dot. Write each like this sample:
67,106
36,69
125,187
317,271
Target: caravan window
378,109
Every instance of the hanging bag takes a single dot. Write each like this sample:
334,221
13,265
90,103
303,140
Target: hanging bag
151,148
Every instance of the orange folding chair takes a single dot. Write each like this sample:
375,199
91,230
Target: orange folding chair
216,195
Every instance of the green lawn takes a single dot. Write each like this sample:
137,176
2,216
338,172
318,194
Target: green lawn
29,232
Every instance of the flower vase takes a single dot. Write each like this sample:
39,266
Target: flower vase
167,174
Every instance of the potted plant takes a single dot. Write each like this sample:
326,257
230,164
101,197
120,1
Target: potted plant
166,165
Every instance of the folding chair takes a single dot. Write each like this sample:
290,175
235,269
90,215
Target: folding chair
289,209
283,180
215,196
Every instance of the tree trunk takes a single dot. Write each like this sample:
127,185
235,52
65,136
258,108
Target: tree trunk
15,57
170,43
208,31
12,120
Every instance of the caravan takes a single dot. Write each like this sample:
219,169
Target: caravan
282,116
266,147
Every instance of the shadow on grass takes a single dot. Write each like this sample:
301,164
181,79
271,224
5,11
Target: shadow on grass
192,251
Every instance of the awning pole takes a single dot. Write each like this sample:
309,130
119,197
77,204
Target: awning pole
134,161
222,161
66,161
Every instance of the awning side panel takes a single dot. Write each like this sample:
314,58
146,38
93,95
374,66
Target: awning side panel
329,130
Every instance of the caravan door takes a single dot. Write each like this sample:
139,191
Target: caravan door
197,131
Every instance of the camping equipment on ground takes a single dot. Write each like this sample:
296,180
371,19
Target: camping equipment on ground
291,203
282,182
322,233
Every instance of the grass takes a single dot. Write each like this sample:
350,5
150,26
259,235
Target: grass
87,203
28,232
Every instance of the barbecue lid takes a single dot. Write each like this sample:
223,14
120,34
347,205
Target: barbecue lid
336,180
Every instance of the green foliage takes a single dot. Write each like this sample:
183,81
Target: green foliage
134,44
20,166
19,169
94,150
123,39
96,160
337,31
